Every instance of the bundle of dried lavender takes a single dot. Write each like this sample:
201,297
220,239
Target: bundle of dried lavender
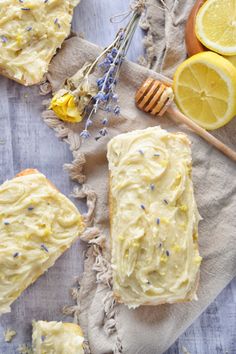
80,98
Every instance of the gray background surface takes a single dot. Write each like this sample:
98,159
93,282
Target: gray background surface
25,141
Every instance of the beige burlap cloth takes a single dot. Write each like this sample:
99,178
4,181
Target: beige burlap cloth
112,328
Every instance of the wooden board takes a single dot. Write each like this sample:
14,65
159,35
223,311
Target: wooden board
25,141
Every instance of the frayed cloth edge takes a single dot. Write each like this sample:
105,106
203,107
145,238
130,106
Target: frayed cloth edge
92,235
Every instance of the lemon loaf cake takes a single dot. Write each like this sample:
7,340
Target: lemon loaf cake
57,338
31,31
37,224
154,218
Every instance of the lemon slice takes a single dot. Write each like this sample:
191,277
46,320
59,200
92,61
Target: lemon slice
205,89
216,26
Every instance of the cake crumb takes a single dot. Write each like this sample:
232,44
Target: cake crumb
9,334
185,351
25,349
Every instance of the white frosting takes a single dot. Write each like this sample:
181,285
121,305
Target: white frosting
57,338
154,217
30,33
37,224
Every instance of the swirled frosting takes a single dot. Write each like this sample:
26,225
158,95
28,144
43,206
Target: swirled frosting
30,33
57,338
154,218
37,224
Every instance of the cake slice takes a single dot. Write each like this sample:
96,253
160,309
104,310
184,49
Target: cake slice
57,338
31,31
154,218
37,224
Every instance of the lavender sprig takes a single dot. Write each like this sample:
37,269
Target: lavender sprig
107,99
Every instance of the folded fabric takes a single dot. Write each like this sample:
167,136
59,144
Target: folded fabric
164,24
150,329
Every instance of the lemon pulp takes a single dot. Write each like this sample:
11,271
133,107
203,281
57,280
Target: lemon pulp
205,89
216,26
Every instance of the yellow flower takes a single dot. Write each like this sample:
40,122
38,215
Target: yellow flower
65,108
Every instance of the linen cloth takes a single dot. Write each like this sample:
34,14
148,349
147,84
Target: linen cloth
113,328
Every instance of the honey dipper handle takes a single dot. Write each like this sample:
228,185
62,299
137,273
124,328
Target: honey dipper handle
203,133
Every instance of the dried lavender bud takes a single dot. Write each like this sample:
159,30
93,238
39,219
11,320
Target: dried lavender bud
152,187
16,254
122,35
100,83
165,201
109,82
105,64
112,71
142,206
29,28
85,134
110,58
114,52
30,208
4,39
56,21
43,247
167,253
103,132
116,110
104,121
100,96
88,123
158,221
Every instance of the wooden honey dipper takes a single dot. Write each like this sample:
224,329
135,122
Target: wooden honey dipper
156,98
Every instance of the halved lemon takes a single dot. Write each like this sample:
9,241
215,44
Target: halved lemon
215,26
205,89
